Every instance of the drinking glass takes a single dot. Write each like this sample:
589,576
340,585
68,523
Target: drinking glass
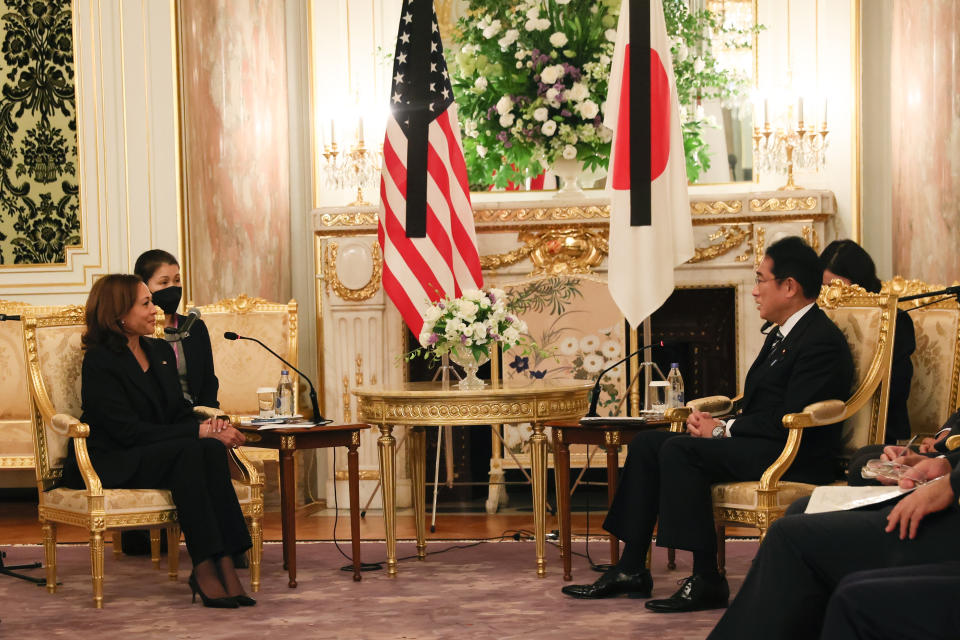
657,395
266,399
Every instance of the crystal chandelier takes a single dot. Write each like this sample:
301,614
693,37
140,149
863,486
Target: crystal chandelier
358,168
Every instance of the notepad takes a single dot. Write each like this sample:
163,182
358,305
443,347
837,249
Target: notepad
842,498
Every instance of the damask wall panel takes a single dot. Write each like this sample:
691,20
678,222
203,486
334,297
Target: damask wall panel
236,148
39,204
925,117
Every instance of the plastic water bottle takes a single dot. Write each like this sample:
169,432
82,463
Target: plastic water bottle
676,385
285,394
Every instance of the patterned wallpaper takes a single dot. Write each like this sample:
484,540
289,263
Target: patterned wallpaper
39,203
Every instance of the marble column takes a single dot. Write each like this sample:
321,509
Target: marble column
925,125
235,149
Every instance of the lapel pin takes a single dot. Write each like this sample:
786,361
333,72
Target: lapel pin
163,362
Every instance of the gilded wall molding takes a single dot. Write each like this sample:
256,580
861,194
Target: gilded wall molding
726,239
555,251
718,207
332,280
811,237
542,214
348,219
759,246
784,204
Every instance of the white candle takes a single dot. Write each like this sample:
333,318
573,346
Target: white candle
799,109
766,112
333,134
360,129
824,113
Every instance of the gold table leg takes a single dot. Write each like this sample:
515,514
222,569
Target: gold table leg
538,456
418,455
387,446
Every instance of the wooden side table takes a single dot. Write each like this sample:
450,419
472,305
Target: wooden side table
609,435
286,441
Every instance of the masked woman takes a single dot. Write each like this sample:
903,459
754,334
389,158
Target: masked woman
161,273
143,434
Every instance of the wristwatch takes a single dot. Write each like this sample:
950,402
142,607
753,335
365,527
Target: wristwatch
720,430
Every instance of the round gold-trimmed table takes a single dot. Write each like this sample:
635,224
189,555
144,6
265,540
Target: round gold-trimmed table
421,404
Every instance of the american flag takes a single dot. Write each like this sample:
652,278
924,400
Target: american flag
426,220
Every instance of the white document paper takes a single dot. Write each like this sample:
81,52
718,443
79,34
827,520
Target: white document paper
843,498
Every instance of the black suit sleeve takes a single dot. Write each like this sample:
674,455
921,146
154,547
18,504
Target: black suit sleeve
107,404
901,374
205,395
822,371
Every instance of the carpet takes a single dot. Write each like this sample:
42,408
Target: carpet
486,591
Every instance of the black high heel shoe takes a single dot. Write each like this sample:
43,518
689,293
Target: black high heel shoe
216,603
244,600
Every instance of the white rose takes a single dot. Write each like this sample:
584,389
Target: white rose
558,39
504,105
541,114
472,294
543,24
563,1
549,128
578,92
698,65
508,39
569,152
431,315
492,30
481,151
530,25
682,52
480,83
425,339
588,109
551,74
611,35
553,97
506,120
533,13
511,335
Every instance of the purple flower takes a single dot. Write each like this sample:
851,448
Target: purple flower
537,373
502,136
433,338
565,113
463,340
520,364
507,145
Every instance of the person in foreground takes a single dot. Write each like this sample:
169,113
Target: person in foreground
143,435
887,572
848,262
669,475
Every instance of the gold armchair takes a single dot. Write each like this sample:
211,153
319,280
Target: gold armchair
54,359
867,321
936,360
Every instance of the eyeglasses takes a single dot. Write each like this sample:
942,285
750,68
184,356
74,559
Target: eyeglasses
760,280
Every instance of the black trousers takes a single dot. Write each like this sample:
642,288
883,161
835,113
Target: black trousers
805,557
668,475
197,474
917,601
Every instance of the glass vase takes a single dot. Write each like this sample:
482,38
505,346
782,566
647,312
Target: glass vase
568,171
466,359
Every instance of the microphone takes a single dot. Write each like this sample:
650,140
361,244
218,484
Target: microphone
184,332
949,291
595,392
8,316
317,417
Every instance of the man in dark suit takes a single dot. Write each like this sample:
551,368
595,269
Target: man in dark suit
888,568
669,475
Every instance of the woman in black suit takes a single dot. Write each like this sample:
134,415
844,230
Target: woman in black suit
161,273
847,261
143,434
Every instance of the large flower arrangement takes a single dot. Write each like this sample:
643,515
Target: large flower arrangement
469,325
530,80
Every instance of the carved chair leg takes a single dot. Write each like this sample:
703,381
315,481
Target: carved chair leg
256,552
155,548
50,554
721,549
763,532
173,551
96,566
671,559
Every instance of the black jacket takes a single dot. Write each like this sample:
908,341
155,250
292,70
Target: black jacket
128,410
901,375
811,364
201,380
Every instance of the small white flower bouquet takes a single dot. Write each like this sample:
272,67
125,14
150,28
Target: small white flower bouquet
467,326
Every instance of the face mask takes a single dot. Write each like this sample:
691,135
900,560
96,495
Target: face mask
168,299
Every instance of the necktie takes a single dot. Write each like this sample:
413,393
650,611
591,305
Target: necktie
773,353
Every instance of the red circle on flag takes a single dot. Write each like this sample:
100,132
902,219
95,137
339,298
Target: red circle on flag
659,116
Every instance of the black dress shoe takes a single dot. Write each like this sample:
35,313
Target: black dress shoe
696,593
613,582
